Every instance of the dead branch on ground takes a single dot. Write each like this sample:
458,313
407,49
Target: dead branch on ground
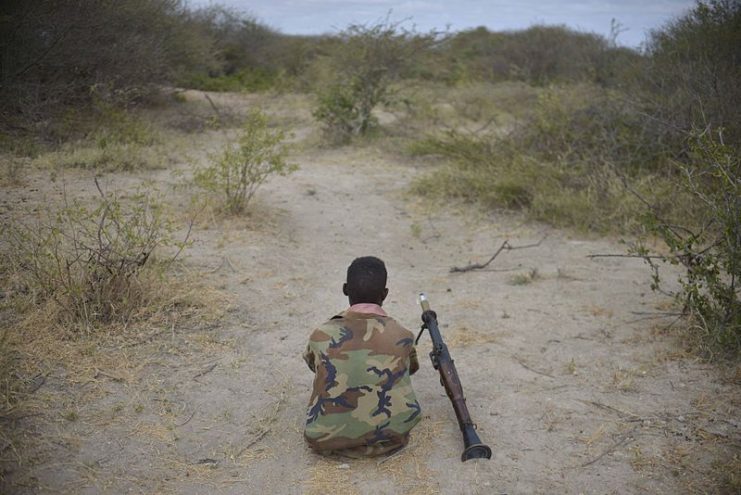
622,440
643,257
213,106
530,368
505,246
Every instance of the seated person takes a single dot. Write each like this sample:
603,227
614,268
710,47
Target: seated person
362,403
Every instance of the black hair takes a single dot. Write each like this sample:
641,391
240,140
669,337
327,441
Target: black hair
366,280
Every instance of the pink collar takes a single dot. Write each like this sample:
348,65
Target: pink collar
367,308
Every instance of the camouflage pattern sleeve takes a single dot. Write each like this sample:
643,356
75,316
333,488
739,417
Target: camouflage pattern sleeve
309,358
413,361
362,395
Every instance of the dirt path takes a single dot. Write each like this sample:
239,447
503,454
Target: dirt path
574,389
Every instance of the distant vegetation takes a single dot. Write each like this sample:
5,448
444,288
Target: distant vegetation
566,126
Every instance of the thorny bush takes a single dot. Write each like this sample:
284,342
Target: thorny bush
707,247
91,262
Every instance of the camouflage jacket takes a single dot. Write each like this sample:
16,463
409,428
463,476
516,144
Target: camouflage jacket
362,394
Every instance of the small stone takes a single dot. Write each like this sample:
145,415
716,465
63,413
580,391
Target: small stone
343,466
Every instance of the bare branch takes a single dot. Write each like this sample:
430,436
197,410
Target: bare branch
609,255
505,246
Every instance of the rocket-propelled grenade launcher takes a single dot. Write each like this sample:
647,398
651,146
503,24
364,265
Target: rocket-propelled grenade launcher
443,363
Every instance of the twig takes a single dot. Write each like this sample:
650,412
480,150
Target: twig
225,261
654,315
505,246
608,408
208,369
624,438
392,456
642,256
43,54
524,365
187,420
7,416
213,105
185,241
253,442
112,377
38,382
483,127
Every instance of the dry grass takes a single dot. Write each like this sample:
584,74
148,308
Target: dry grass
464,337
624,380
596,436
525,278
329,476
697,448
599,311
120,157
220,466
36,349
406,470
13,169
474,107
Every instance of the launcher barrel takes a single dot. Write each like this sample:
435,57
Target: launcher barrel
443,363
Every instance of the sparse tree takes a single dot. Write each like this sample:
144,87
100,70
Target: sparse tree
364,64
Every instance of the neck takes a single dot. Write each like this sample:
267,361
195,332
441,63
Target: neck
368,308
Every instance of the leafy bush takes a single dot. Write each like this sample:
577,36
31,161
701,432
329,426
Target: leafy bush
55,52
343,114
363,65
706,244
245,165
91,263
694,66
240,43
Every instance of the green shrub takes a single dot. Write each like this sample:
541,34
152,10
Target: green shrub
53,56
706,244
342,112
245,165
362,68
91,263
256,79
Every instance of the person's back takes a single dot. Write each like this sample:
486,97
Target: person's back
362,401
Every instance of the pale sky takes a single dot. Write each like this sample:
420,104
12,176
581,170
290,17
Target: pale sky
328,16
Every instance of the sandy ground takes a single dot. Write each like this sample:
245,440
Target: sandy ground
568,369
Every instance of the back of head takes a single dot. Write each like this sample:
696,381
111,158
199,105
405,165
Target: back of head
366,280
